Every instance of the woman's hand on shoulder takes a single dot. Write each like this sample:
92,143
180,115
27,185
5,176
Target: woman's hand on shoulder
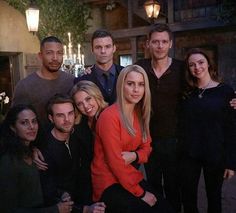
39,159
88,70
149,198
129,157
229,173
98,207
233,102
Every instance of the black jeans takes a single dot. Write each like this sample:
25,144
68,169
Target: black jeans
163,164
119,200
213,176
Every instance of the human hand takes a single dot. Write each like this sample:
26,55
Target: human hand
129,157
98,207
228,173
65,197
65,207
88,70
233,102
39,159
149,198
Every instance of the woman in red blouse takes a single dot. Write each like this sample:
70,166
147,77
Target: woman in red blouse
122,143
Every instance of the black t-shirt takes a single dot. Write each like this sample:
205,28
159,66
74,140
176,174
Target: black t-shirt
166,93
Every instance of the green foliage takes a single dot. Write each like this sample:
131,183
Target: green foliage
58,17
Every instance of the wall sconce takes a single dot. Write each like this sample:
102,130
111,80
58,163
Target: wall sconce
32,17
152,8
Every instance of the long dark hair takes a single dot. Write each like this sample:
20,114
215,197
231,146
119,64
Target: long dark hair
9,141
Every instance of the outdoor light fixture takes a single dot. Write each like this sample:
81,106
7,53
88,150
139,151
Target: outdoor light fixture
32,17
152,8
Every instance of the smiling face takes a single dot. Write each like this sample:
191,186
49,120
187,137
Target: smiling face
63,117
103,50
52,56
86,104
198,66
159,45
26,126
133,87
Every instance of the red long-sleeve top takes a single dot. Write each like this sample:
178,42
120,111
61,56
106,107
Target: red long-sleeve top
108,166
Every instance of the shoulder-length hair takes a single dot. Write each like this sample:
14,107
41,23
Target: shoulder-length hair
9,140
192,81
143,107
91,89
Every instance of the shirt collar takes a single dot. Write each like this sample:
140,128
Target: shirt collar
111,70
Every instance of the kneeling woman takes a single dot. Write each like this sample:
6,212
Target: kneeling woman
122,142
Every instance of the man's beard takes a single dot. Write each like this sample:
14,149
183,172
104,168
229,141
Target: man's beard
63,130
52,70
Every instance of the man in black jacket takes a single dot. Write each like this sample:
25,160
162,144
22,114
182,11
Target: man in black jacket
167,83
60,180
104,72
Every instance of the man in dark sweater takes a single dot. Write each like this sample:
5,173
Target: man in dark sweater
61,154
38,87
104,72
166,79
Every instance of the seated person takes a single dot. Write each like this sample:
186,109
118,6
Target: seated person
61,154
20,188
122,141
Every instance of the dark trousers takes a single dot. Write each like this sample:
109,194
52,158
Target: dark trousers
119,200
213,176
162,171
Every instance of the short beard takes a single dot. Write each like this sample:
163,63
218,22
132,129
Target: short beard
52,70
62,130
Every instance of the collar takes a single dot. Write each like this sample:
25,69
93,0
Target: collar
111,70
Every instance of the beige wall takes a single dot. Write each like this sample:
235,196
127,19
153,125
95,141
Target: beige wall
15,38
14,35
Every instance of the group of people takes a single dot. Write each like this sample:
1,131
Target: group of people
76,144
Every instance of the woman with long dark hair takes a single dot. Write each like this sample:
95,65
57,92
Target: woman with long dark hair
20,188
207,133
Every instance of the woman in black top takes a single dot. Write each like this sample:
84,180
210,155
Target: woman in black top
89,102
207,133
20,188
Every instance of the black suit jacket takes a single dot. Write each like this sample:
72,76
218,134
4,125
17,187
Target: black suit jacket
110,99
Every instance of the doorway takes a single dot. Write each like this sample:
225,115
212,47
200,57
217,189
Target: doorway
6,79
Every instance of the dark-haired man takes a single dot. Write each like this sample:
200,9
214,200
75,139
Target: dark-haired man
61,153
167,84
166,80
40,86
104,73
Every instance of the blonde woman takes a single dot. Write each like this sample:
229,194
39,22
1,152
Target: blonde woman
122,141
89,103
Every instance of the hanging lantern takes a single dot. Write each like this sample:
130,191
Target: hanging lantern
152,8
32,17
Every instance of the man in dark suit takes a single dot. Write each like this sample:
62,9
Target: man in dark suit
104,72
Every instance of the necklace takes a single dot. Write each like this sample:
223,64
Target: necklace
200,94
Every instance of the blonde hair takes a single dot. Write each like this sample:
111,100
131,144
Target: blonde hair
143,107
91,89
